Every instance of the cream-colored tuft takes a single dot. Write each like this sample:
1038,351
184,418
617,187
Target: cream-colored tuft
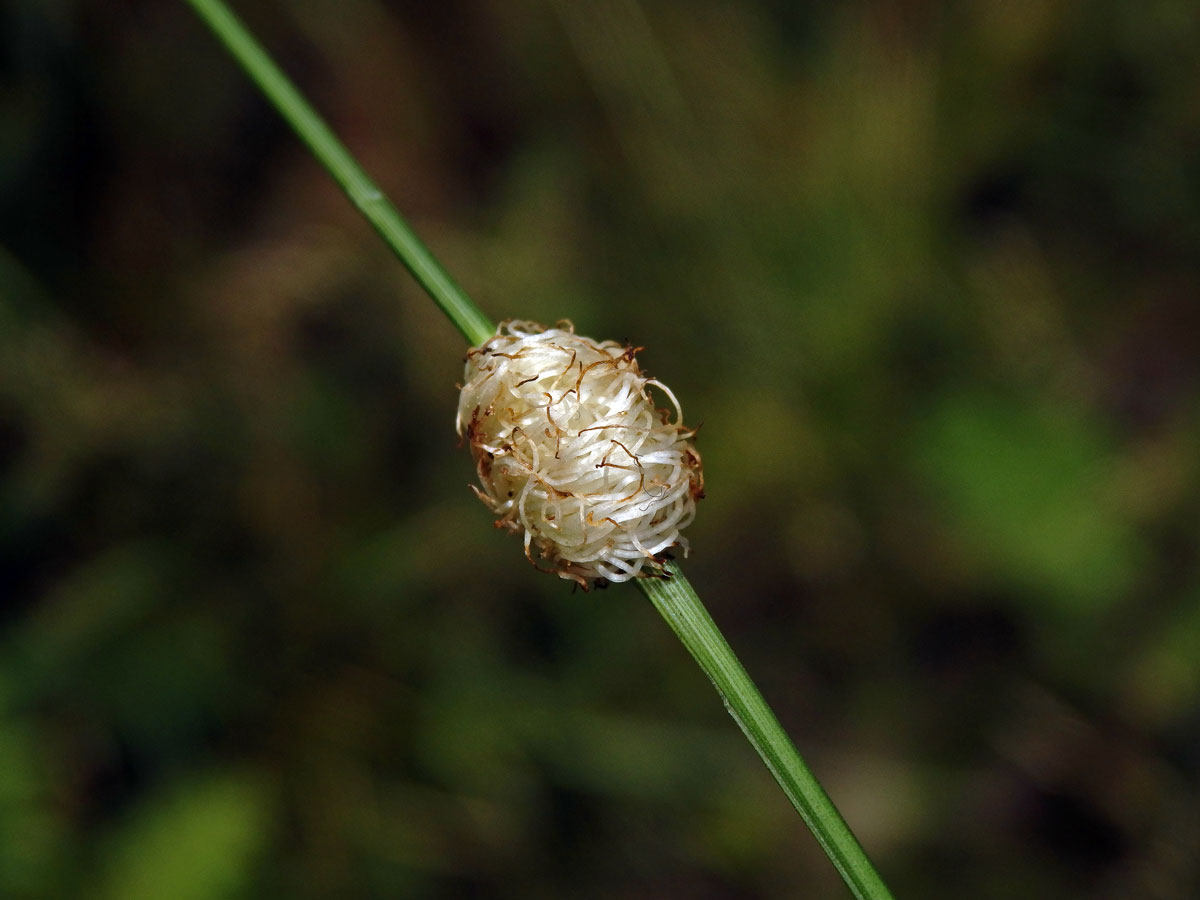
572,453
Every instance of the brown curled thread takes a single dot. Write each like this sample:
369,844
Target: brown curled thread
602,427
604,462
574,355
696,476
505,429
641,473
558,434
563,572
611,361
574,390
545,553
550,489
549,418
484,467
472,427
641,487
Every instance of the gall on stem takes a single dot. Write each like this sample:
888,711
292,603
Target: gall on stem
573,455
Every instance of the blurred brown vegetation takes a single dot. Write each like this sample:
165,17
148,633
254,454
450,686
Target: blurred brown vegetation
927,272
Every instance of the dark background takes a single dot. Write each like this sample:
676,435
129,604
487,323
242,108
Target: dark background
929,275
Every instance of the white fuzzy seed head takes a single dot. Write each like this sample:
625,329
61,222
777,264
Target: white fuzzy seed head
572,453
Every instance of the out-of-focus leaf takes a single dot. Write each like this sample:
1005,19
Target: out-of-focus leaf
1027,489
1164,683
32,837
199,841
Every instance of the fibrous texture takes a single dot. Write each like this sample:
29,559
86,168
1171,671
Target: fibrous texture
573,455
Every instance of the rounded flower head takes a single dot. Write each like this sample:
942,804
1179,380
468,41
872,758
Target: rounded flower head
572,453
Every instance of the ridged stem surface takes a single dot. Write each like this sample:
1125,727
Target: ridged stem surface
333,155
673,598
678,603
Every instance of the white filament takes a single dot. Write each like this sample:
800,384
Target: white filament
572,453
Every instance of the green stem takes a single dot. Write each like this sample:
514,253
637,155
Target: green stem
673,597
677,602
469,319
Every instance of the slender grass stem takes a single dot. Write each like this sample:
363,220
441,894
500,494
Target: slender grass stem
677,602
333,155
674,598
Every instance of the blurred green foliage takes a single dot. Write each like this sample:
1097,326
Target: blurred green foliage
928,274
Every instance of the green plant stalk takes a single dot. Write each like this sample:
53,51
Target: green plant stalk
673,597
333,155
677,602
